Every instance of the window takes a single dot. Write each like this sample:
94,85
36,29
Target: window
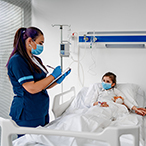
13,15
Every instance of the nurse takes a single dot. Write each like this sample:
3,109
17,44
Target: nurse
30,105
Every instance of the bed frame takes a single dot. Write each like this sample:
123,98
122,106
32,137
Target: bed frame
9,127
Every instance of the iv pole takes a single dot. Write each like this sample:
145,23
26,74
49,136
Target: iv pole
61,40
61,57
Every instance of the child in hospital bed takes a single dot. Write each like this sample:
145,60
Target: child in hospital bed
99,93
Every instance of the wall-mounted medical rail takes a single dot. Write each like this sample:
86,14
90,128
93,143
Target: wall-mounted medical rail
114,39
119,39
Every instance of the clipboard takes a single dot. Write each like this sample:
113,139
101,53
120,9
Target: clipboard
65,71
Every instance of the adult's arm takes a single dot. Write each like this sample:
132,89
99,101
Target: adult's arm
35,87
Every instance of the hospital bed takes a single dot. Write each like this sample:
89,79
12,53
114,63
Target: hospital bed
112,134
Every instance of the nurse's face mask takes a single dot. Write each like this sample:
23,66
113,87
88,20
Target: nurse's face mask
38,50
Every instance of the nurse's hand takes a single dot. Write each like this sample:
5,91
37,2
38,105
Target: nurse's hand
63,77
56,72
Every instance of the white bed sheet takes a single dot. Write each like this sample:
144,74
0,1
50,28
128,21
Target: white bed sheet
76,122
80,118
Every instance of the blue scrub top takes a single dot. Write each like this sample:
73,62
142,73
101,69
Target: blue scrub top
33,106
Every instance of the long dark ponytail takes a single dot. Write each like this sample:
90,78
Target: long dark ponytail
19,45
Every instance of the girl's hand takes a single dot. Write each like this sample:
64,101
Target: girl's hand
104,104
96,103
140,111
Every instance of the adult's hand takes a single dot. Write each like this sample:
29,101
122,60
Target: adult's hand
56,72
63,77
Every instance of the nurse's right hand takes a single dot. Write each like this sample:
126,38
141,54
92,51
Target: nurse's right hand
56,72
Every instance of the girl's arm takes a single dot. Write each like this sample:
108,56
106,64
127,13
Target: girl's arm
129,105
92,95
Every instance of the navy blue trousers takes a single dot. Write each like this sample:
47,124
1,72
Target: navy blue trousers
33,123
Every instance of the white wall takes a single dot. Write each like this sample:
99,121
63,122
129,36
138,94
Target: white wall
93,15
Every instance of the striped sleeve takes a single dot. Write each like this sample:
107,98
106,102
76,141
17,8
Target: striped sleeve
19,68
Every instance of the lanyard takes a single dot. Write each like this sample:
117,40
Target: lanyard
38,64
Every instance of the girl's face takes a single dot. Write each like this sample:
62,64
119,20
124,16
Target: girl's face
107,79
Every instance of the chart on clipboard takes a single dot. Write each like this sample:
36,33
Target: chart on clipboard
64,72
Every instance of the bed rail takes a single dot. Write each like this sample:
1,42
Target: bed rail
9,127
57,108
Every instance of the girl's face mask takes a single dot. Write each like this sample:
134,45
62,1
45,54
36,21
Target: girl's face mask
38,50
106,86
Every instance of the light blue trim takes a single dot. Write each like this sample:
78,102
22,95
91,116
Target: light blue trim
25,78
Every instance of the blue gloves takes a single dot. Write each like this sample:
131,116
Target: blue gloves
63,77
56,72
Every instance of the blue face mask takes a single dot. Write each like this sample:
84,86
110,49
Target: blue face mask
38,50
106,86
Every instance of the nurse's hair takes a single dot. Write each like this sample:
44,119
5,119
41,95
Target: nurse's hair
112,76
19,45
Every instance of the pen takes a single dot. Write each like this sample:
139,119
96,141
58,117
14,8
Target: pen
50,66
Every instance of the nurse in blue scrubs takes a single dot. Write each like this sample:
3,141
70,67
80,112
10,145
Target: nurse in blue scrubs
30,105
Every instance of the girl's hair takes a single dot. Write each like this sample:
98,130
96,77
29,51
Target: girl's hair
19,45
112,76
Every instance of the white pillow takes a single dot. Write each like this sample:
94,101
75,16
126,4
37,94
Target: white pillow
130,91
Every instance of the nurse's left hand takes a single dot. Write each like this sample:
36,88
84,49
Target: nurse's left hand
63,77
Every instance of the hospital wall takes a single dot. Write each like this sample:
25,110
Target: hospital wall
92,15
